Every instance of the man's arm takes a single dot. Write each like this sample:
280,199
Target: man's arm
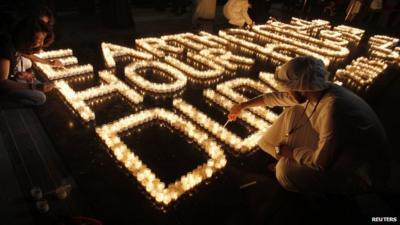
34,58
269,99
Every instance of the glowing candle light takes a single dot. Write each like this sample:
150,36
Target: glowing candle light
145,176
111,51
228,89
131,71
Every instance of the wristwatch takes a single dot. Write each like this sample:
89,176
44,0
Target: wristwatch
277,150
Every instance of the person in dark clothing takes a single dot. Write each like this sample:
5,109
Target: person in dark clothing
179,7
259,11
46,15
160,5
27,38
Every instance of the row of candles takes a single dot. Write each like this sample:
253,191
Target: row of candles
269,52
183,40
55,54
228,60
228,89
232,140
109,85
361,72
333,37
351,34
145,176
248,117
160,68
269,79
214,70
383,48
67,59
77,104
303,41
272,30
156,46
277,51
312,27
54,74
110,51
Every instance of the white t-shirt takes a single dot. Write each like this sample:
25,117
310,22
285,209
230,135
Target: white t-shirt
350,134
236,12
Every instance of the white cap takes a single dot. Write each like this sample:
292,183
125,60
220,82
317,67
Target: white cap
304,73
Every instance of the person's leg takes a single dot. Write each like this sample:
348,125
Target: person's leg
28,97
294,177
35,81
298,178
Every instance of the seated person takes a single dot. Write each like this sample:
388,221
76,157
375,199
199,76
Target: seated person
24,61
327,140
330,10
27,37
236,13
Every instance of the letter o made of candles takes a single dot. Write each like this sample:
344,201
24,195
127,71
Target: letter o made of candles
162,69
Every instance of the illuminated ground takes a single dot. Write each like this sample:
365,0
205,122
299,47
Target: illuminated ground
111,194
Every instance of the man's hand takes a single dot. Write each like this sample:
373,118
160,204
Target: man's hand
272,18
56,63
26,76
234,112
252,24
285,151
45,87
249,26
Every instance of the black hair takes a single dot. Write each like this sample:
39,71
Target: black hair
46,11
49,39
23,35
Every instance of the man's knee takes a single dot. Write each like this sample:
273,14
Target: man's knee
295,177
284,174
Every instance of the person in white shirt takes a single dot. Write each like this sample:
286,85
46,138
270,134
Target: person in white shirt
327,139
353,9
236,12
205,9
204,13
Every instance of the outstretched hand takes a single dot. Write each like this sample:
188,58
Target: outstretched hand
56,63
249,26
234,112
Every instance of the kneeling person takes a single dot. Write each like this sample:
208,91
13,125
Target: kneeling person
327,139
